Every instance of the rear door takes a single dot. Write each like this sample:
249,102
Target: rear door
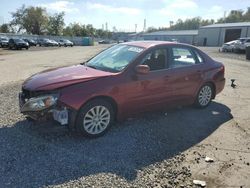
187,69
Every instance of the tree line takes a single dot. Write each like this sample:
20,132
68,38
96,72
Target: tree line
37,21
195,23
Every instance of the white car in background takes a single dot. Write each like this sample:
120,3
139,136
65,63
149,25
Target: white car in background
241,44
65,43
228,46
54,43
4,42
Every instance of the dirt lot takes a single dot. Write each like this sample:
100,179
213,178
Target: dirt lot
156,150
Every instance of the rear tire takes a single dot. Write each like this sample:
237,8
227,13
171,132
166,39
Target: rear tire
95,118
204,96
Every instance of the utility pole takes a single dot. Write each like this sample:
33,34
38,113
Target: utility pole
135,27
171,23
224,17
145,25
106,26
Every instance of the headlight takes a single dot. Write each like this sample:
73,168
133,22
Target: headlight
39,103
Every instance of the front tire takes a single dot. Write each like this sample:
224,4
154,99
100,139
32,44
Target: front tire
204,96
95,118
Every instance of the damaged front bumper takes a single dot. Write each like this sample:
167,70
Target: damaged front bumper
44,108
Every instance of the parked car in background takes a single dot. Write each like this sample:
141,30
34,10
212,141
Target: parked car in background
18,44
229,46
65,43
4,42
45,42
123,80
241,44
31,42
174,40
104,42
54,43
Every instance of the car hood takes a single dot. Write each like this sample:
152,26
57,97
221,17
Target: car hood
64,76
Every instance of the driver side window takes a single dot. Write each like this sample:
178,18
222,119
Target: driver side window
156,60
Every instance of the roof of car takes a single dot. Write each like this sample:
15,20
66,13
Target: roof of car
148,44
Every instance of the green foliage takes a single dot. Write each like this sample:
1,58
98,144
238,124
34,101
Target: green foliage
18,18
33,20
236,16
56,24
77,29
195,23
189,24
152,29
5,28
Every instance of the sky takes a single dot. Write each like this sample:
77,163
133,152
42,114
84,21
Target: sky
125,14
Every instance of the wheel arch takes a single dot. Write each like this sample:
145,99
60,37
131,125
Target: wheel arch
106,98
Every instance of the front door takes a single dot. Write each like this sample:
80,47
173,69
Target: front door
146,92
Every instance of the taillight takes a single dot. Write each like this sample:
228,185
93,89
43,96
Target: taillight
220,73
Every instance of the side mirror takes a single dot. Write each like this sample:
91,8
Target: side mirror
142,69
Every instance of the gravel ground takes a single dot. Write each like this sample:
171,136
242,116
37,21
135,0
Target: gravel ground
155,150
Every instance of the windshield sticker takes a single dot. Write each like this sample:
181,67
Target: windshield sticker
135,49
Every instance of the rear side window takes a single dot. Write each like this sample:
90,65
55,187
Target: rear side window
182,57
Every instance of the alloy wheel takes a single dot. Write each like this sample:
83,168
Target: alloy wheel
96,120
205,95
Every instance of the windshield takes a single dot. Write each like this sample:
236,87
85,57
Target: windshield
115,58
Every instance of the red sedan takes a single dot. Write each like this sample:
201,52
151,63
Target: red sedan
124,80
